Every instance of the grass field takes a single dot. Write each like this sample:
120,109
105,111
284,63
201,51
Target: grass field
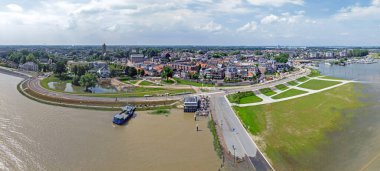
250,99
288,93
291,132
318,84
333,78
44,83
147,83
267,91
141,92
244,98
292,83
314,73
187,82
282,87
302,79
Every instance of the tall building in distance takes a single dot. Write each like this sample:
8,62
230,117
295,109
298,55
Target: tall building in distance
104,49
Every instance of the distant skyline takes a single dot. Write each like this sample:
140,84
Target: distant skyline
190,22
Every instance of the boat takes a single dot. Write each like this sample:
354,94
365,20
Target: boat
328,63
124,116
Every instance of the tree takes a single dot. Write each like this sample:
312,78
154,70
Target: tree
30,58
76,80
282,58
60,68
166,73
132,71
75,69
88,80
82,70
141,72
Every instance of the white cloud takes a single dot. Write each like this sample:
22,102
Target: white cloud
113,28
269,19
211,27
15,7
356,12
249,27
276,3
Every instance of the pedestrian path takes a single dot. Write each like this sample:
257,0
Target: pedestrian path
268,100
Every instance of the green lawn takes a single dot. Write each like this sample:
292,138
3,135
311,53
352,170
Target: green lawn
292,132
318,84
314,73
187,82
282,87
141,92
167,81
244,98
250,99
267,91
332,78
289,93
147,83
292,83
134,81
302,79
44,83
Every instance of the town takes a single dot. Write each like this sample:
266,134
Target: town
208,66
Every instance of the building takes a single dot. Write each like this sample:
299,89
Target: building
191,104
104,72
104,49
29,66
329,54
231,72
136,58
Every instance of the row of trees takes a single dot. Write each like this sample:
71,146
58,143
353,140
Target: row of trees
358,53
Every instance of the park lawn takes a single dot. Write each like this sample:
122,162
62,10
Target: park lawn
332,78
318,84
250,99
282,87
314,73
288,93
267,91
133,81
302,79
292,83
187,82
141,92
292,132
147,83
167,82
44,83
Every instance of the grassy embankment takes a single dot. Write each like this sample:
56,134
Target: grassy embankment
292,83
148,83
289,93
332,78
187,82
291,132
134,92
282,87
267,91
217,146
314,73
302,79
244,98
318,84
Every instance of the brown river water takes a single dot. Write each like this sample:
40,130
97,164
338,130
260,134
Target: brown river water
35,136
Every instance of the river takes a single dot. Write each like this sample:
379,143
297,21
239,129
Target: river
35,136
357,145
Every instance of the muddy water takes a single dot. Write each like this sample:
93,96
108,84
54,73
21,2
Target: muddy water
357,145
36,136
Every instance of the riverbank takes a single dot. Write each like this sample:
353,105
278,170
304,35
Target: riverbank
35,136
291,132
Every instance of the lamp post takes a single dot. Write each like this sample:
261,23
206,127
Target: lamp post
233,147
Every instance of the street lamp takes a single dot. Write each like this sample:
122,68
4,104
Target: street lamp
233,147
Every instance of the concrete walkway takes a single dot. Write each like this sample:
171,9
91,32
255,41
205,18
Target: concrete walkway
268,100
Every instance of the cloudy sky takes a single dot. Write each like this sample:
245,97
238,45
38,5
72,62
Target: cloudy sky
190,22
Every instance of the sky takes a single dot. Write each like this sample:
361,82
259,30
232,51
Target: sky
190,22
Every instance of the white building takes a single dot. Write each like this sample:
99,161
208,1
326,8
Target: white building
29,66
137,58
